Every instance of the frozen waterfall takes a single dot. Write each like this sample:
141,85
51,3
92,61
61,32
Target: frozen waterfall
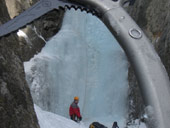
83,60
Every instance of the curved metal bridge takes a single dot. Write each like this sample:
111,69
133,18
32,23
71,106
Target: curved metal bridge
150,72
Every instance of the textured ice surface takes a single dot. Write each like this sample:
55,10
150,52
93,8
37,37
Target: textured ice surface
83,60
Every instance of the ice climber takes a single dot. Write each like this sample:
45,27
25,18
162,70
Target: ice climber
115,125
74,110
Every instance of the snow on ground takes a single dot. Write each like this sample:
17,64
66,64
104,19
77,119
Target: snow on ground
51,120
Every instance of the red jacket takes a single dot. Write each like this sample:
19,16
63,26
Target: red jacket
74,110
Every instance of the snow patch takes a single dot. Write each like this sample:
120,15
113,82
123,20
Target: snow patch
51,120
20,33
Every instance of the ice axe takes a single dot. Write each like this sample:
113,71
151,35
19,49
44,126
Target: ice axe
150,72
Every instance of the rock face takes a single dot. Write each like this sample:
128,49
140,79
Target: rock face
15,7
153,17
16,105
46,26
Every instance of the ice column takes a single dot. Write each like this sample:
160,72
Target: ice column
84,60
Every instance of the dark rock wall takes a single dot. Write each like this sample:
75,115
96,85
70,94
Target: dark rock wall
153,16
16,105
15,7
46,26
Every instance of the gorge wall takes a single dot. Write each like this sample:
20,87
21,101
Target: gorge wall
16,105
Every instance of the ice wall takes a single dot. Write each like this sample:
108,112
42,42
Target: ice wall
83,60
